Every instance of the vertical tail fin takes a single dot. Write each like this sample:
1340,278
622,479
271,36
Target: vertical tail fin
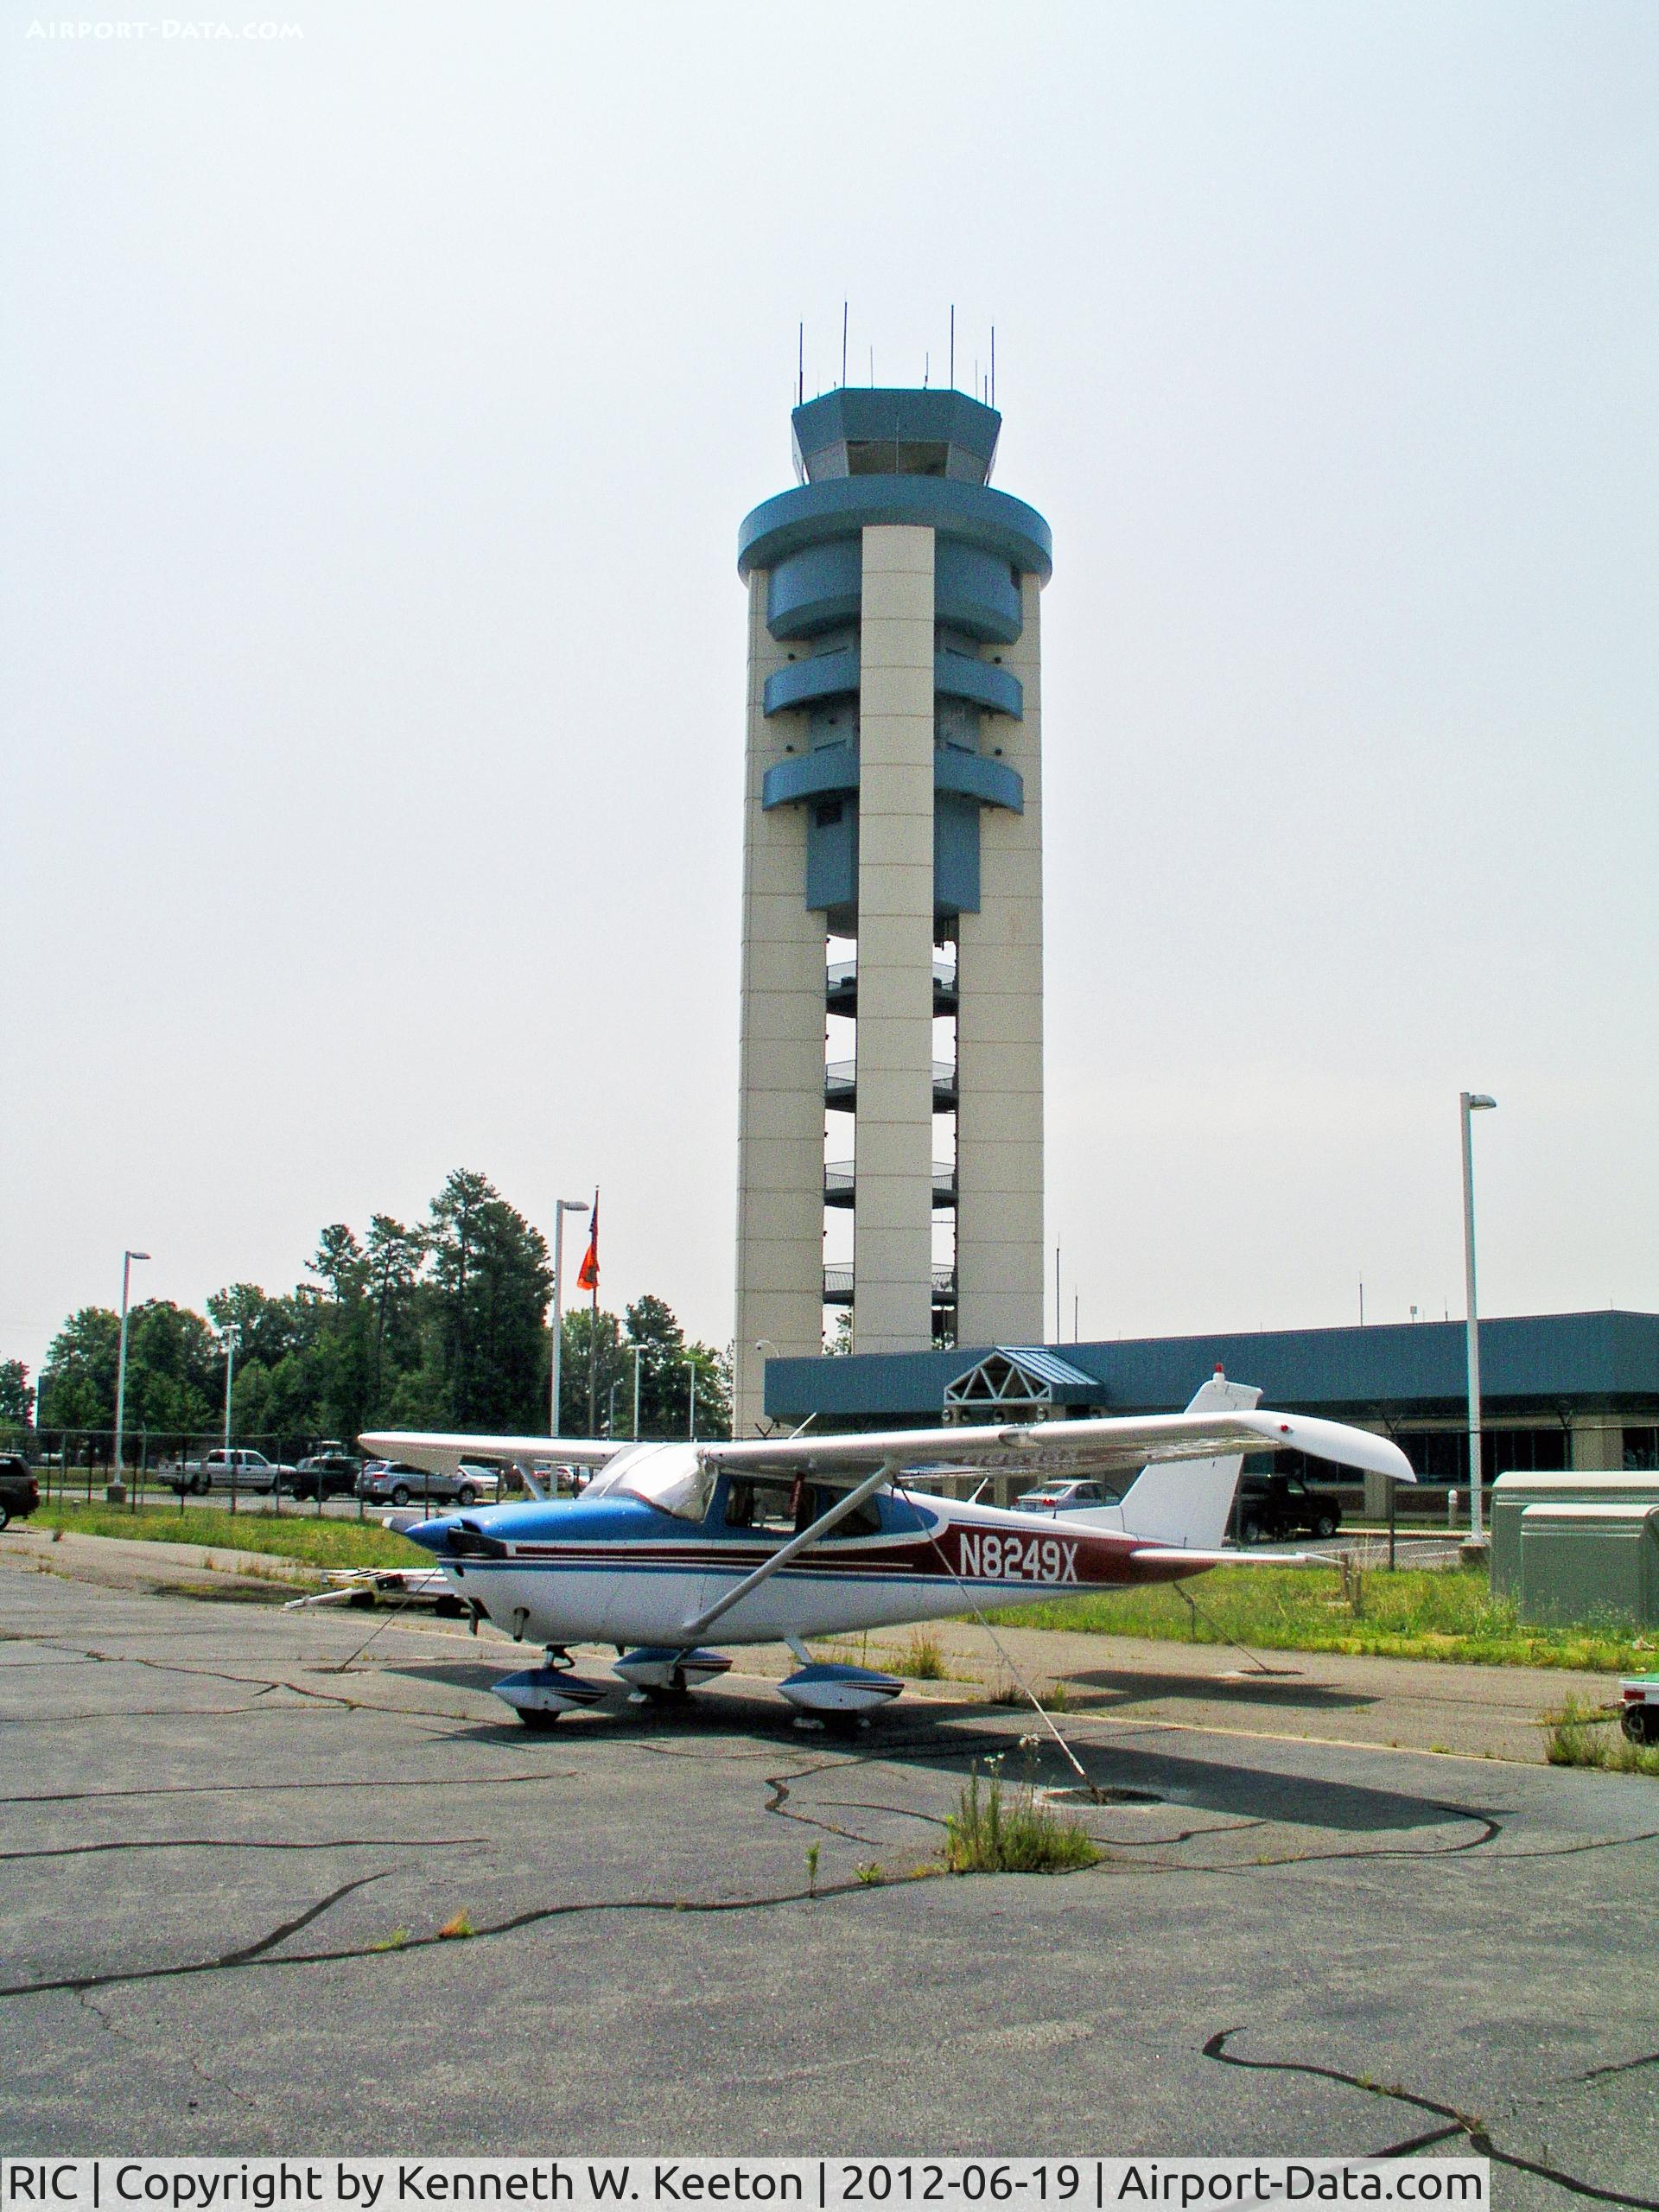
1186,1501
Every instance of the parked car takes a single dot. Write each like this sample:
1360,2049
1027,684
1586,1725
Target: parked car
325,1474
1273,1506
389,1482
236,1469
1065,1498
19,1491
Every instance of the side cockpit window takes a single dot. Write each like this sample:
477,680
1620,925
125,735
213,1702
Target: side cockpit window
771,1507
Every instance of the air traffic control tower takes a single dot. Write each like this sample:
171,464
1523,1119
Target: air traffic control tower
893,799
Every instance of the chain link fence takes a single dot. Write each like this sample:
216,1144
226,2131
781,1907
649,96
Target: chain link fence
265,1473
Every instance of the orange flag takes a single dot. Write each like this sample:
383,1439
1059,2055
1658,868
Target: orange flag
587,1275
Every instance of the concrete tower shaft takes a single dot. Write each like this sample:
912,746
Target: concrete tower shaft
893,795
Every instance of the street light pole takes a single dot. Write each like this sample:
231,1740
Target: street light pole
127,1259
231,1333
690,1367
639,1354
1470,1102
563,1207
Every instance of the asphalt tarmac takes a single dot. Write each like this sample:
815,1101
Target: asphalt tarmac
231,1839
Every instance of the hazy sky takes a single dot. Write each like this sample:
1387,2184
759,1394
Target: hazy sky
381,403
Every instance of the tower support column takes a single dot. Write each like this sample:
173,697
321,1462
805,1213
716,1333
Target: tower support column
1000,1241
780,1076
893,1238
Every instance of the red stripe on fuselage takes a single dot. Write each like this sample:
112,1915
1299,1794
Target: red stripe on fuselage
966,1552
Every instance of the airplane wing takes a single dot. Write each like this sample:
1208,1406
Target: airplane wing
1114,1444
441,1453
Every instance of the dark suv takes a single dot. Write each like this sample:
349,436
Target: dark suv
327,1474
19,1491
1273,1506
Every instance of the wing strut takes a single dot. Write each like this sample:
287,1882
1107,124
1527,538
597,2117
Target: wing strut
854,1498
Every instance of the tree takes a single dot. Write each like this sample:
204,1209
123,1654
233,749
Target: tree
491,1280
393,1261
16,1398
173,1368
341,1367
267,1329
78,1382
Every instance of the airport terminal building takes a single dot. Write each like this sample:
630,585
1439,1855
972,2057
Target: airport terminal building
1559,1390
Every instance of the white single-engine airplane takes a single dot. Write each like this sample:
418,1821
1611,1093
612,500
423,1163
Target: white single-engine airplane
777,1539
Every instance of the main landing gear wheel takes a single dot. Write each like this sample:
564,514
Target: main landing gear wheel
539,1694
666,1674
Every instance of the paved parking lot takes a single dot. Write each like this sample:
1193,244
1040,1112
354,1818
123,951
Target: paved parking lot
227,1865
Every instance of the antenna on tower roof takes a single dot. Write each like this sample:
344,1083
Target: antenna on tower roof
993,365
953,346
843,345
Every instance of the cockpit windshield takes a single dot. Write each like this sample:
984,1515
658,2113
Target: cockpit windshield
668,1476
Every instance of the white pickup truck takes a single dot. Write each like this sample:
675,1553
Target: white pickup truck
236,1469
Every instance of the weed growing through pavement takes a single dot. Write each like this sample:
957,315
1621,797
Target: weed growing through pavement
871,1875
1580,1735
922,1658
461,1925
812,1851
395,1942
995,1830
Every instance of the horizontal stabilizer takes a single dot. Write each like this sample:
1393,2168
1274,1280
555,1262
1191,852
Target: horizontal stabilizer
1168,1555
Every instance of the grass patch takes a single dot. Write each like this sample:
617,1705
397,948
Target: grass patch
302,1537
922,1658
1582,1735
995,1830
1418,1613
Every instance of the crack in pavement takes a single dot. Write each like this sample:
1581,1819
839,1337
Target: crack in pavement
229,1789
244,1681
1491,1829
142,1713
90,2003
1465,2124
302,1920
1622,2066
259,1953
251,1843
1591,1843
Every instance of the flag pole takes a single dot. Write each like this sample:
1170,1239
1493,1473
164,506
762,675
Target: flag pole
593,1332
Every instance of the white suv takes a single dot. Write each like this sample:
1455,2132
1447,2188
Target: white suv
390,1482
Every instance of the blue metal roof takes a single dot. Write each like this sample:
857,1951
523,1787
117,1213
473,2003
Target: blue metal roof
1048,1366
1546,1363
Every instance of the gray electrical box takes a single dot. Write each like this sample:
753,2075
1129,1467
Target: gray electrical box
1589,1565
1513,1494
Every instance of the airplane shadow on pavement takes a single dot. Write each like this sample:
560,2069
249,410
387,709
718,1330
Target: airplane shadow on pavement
1218,1689
949,1743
